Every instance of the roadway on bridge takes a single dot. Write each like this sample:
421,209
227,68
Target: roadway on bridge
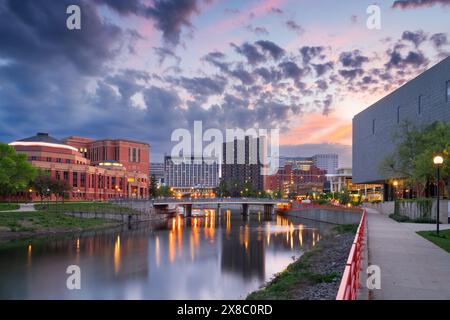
411,266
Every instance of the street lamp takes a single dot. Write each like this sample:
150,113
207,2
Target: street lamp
395,183
438,161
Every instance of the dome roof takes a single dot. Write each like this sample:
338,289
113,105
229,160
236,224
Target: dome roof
42,139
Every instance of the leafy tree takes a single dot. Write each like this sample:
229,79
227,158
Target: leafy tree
164,191
222,189
15,171
43,185
413,157
153,188
60,188
344,197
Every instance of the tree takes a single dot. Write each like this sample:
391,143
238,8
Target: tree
15,171
413,158
60,188
153,188
43,185
164,191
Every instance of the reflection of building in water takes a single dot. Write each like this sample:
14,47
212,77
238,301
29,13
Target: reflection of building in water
246,256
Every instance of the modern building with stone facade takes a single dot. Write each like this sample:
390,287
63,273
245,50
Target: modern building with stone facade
421,101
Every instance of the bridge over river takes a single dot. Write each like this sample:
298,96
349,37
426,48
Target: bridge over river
162,205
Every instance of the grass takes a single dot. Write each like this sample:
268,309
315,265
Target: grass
402,218
42,221
298,273
98,207
9,206
443,240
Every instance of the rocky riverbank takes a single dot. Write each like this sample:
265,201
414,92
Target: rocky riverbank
316,275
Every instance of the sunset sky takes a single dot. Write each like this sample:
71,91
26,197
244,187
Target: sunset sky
140,69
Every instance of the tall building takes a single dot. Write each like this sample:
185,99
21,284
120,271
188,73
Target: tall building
243,161
421,101
328,162
193,173
91,173
158,172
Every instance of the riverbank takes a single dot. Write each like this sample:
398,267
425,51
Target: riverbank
35,224
316,275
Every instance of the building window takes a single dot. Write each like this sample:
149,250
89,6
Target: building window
58,160
58,175
420,104
398,114
66,175
75,179
49,159
448,91
373,126
33,158
67,161
82,180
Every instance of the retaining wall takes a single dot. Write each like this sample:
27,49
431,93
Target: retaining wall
331,215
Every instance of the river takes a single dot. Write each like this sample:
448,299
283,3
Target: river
203,257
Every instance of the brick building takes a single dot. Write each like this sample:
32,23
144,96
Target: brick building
297,179
95,169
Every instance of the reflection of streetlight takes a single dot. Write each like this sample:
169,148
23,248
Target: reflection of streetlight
438,161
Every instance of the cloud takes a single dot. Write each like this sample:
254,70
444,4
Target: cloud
275,51
163,53
439,40
308,53
417,37
412,4
169,16
293,26
259,31
352,59
250,52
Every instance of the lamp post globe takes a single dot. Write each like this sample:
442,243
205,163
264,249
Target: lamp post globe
438,161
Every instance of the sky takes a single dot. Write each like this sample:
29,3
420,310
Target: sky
139,69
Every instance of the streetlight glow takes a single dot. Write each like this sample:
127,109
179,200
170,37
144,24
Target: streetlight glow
438,160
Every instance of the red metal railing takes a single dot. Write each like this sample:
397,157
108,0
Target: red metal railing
350,279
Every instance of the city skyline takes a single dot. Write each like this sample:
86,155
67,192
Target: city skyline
141,69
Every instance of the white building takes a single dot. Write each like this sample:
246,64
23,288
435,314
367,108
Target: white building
184,174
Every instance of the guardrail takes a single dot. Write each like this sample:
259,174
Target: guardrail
348,288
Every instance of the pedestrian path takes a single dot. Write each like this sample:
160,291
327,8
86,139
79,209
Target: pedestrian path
25,207
411,266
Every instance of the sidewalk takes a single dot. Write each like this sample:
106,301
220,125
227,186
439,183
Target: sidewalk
24,207
411,266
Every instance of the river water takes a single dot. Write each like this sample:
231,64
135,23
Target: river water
203,257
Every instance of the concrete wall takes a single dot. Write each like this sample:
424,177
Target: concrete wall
369,148
337,216
412,210
385,208
125,218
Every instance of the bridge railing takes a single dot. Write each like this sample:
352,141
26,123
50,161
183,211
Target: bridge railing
227,200
348,288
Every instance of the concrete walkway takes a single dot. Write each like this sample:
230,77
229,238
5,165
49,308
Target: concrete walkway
24,207
411,266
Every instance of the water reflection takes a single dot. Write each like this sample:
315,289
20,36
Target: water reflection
208,256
